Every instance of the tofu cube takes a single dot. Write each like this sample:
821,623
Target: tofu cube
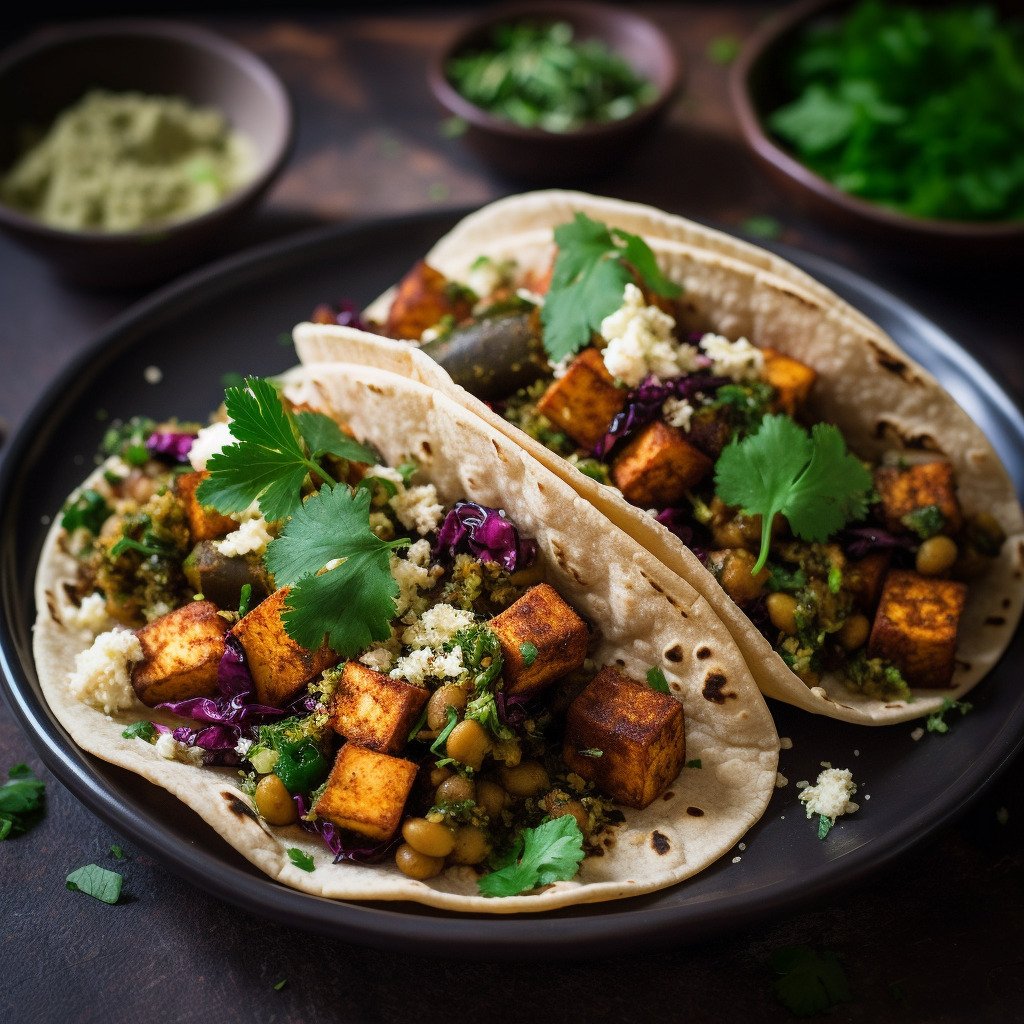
865,576
280,667
541,618
916,626
904,490
204,522
792,380
641,735
181,652
585,400
424,297
658,466
374,710
366,792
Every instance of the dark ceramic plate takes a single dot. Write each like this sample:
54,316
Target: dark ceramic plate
231,318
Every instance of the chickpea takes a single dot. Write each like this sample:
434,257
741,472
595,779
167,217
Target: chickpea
490,798
431,838
526,779
417,865
139,487
455,789
854,632
471,845
782,611
576,809
439,774
443,698
935,556
735,575
468,742
274,802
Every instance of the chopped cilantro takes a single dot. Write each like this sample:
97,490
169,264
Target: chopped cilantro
590,752
116,852
21,801
244,599
300,859
790,581
835,578
352,603
825,824
97,882
551,852
593,266
407,470
811,479
762,226
656,680
695,763
453,720
278,985
128,440
140,731
926,521
88,511
808,982
528,651
937,721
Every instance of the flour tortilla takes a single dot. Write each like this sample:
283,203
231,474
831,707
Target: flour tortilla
643,615
881,399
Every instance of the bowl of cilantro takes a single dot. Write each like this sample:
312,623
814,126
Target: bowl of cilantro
901,122
553,91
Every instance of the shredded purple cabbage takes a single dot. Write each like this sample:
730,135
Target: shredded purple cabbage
345,313
757,612
643,405
859,541
512,710
485,533
676,521
343,848
173,446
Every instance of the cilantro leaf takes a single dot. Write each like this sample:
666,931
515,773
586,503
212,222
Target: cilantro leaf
352,603
140,731
21,801
88,511
549,853
528,651
97,882
300,859
808,982
656,680
639,255
325,437
812,480
116,852
937,722
695,763
825,824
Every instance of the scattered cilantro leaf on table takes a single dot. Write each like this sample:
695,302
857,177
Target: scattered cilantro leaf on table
937,722
300,859
352,604
21,801
811,479
278,985
551,852
97,882
116,852
592,269
808,982
825,824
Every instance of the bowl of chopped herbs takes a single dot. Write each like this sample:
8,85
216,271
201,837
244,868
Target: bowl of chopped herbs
903,121
553,91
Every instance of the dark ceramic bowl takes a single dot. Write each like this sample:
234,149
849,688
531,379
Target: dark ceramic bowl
758,88
537,154
54,68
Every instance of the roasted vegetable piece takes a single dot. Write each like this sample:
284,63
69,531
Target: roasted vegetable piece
865,577
424,298
366,792
791,379
640,733
181,652
541,639
280,667
732,568
204,523
658,466
906,490
492,357
584,401
220,578
916,626
375,710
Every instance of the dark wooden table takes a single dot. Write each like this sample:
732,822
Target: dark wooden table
937,937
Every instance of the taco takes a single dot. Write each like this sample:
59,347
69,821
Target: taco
413,666
890,578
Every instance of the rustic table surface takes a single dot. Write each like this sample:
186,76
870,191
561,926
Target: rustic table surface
936,937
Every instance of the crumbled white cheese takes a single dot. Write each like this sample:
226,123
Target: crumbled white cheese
251,537
413,574
785,743
534,298
781,781
380,659
437,625
640,342
916,734
487,275
830,796
171,749
382,525
89,617
736,860
561,368
677,412
114,465
209,441
242,746
736,359
387,473
102,673
418,666
152,374
417,508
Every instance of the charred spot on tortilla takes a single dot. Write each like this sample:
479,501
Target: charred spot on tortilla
426,449
51,605
659,843
563,563
1006,602
674,654
714,688
376,389
703,652
887,361
694,812
886,430
239,807
668,794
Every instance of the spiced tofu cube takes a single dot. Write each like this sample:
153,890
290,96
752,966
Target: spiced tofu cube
658,466
791,379
204,522
374,710
640,732
906,490
865,576
541,638
916,625
279,666
181,651
424,298
366,792
585,400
